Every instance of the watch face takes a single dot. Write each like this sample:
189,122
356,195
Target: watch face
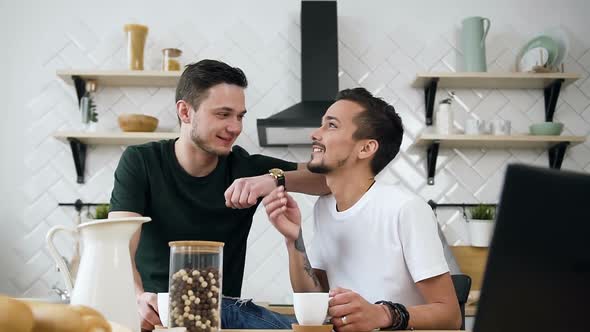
276,172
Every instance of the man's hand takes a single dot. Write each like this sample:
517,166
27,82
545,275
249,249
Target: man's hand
148,310
244,192
351,312
283,212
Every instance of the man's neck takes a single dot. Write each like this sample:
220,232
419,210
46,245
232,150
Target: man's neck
194,160
349,186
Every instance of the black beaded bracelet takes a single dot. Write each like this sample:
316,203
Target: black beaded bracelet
399,313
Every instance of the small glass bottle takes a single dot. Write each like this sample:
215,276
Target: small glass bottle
170,61
444,116
195,286
87,106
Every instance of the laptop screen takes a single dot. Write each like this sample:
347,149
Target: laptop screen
537,276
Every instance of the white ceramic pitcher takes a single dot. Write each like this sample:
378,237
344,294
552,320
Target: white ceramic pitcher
105,276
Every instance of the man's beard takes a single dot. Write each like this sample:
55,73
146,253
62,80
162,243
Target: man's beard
203,145
322,168
318,168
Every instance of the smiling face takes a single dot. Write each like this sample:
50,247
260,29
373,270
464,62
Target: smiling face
333,144
217,123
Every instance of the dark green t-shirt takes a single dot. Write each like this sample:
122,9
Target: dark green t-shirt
150,181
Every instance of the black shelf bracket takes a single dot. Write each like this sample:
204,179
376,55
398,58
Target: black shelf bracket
80,85
431,155
79,155
551,93
556,154
429,95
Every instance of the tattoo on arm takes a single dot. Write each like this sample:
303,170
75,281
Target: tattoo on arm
300,246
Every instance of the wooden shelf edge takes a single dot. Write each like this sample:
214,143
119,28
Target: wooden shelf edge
114,138
506,80
123,77
520,137
490,140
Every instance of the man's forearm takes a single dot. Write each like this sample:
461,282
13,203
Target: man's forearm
303,278
304,181
435,316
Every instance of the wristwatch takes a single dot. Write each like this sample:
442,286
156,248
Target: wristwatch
278,175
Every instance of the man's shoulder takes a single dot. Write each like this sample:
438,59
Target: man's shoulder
391,194
148,150
239,158
151,147
239,152
394,198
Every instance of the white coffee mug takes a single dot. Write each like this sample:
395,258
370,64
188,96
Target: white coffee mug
501,127
163,299
310,308
474,127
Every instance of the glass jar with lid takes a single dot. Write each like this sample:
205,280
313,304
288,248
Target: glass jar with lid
170,60
195,286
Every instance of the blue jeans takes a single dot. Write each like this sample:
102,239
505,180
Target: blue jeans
244,314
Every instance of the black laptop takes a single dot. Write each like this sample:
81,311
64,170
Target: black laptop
537,276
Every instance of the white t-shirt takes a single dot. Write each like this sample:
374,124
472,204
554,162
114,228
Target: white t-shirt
380,247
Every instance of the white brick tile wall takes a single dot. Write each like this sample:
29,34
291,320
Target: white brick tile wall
465,174
82,36
409,175
584,60
575,98
40,182
490,190
571,65
351,64
490,162
379,51
39,210
433,52
573,122
487,109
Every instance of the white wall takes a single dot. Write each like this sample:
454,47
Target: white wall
382,45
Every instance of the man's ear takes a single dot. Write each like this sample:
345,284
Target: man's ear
368,148
183,110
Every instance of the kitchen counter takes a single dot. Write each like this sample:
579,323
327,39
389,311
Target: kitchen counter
288,310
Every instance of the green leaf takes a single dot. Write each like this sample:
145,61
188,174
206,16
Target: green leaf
483,212
102,211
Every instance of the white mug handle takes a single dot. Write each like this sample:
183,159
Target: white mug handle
57,257
328,317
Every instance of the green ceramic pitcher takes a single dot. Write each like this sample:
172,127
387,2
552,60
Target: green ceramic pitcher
473,38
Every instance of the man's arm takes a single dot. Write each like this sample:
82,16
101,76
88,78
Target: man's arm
304,181
285,216
244,192
304,278
148,303
351,312
442,308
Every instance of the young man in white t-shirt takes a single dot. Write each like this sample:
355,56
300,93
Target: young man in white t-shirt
376,247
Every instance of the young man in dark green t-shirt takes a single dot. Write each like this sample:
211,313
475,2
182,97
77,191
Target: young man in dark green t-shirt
198,187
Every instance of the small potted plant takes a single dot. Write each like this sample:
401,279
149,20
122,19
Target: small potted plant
481,224
102,211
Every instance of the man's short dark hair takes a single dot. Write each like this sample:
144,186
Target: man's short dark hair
378,121
198,77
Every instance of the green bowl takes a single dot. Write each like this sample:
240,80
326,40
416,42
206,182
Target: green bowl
546,128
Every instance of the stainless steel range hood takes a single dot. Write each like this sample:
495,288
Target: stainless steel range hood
319,78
